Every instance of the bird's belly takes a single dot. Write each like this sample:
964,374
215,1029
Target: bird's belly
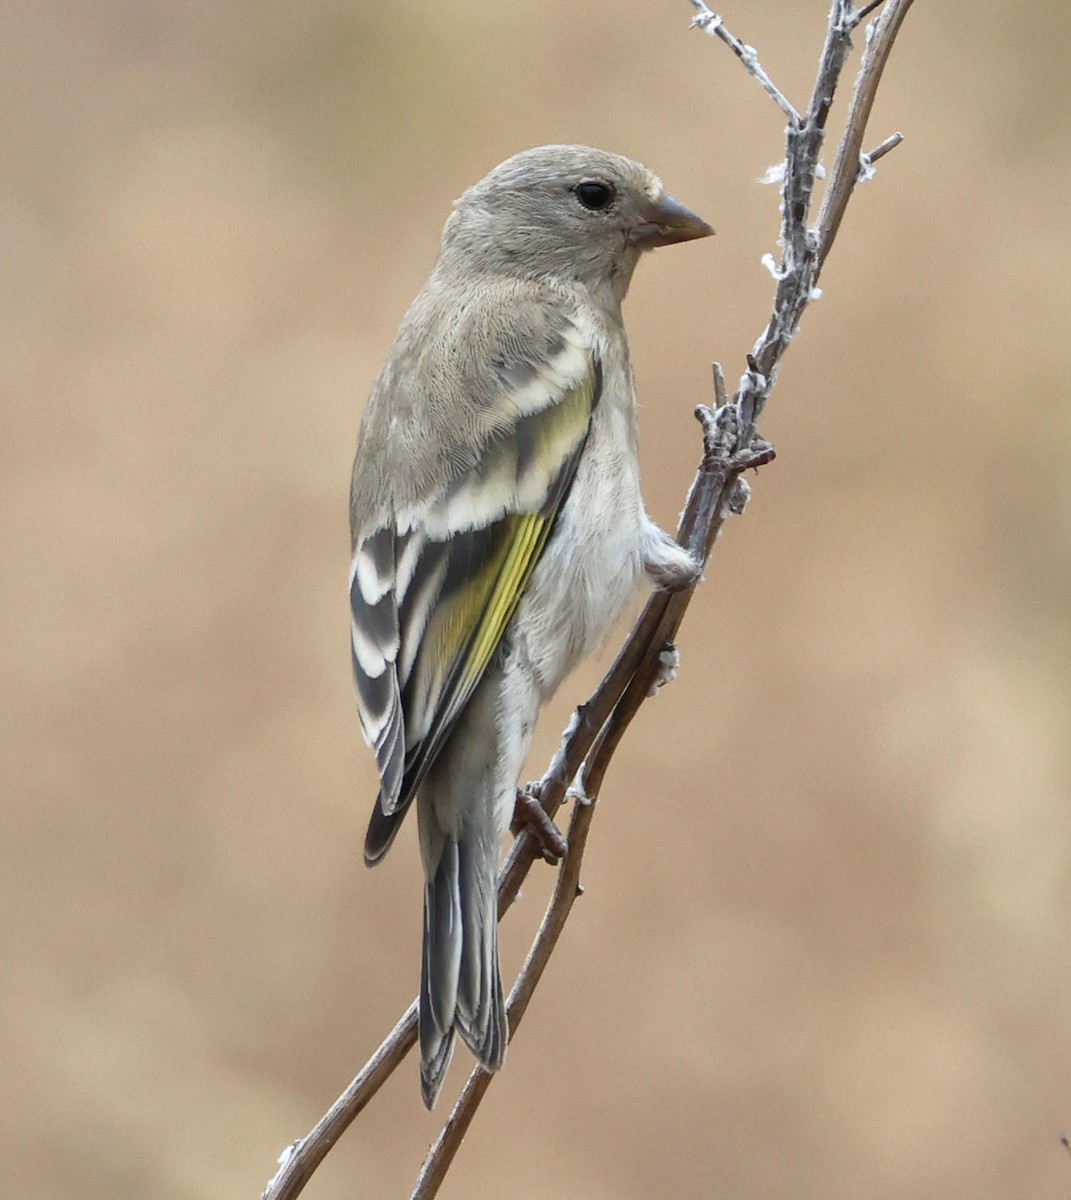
587,574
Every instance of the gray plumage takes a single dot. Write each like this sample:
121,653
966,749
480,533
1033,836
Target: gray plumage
498,529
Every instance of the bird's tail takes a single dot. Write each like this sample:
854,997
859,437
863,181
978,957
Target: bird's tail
460,984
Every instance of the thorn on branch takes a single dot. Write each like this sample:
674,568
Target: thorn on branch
890,143
753,369
866,161
720,397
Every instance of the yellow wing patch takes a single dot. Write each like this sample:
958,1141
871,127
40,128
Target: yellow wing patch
492,606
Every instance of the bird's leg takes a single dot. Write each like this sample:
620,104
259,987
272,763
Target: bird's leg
529,816
667,563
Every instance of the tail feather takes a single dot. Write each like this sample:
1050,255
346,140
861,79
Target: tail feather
460,984
480,1005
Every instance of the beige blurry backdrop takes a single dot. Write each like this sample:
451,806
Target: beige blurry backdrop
824,946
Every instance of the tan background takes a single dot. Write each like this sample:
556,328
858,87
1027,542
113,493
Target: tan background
824,946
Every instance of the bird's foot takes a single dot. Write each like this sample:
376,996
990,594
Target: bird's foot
529,816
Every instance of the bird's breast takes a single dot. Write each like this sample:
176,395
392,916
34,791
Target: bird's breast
592,563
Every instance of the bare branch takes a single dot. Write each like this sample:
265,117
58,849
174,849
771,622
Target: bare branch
299,1161
880,38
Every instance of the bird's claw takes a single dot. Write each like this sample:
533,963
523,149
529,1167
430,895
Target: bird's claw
529,816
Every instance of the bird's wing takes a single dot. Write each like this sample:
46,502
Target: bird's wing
432,592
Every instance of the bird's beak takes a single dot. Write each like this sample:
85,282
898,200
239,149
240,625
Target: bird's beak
666,221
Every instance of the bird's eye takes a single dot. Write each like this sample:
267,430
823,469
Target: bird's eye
594,195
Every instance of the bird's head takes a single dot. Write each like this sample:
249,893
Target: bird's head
569,213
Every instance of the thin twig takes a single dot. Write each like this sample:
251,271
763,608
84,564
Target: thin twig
710,22
299,1161
861,14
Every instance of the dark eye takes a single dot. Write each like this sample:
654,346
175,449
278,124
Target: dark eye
594,195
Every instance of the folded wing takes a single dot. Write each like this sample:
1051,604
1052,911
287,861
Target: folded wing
432,591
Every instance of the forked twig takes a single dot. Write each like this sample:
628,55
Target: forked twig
880,38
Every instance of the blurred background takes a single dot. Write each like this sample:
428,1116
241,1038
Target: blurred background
823,950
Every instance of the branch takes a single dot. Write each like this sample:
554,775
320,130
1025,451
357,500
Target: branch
731,446
850,164
299,1160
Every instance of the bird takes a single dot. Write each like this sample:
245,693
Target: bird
498,530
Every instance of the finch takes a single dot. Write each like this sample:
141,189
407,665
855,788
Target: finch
497,532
